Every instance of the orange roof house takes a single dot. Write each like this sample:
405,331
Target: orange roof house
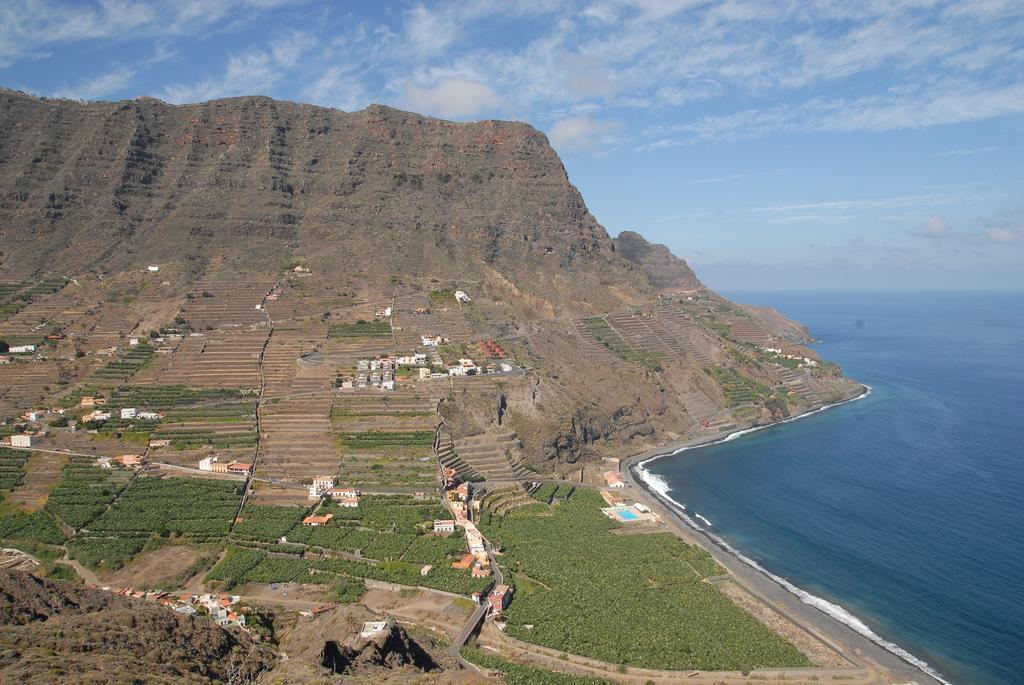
317,520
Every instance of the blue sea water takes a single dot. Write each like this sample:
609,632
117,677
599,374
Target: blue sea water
906,507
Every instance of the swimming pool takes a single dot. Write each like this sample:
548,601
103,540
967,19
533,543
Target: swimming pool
626,515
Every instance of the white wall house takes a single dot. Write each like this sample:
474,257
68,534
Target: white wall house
21,441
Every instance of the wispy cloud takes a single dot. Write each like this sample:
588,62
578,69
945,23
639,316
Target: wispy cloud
967,152
580,132
453,98
99,86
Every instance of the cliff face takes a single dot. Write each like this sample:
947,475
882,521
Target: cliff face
259,182
663,269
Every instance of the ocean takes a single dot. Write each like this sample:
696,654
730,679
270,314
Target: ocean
902,512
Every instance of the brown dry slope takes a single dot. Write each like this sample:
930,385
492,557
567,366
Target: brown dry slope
56,632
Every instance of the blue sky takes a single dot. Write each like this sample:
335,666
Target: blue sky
830,144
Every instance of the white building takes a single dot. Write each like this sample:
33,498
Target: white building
431,340
22,349
461,296
152,268
206,463
133,342
149,415
444,526
21,440
320,486
128,413
103,462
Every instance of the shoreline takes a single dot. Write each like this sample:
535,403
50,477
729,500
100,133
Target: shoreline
815,614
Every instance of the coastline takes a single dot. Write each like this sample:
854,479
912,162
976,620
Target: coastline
828,621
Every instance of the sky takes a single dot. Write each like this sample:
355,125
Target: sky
828,144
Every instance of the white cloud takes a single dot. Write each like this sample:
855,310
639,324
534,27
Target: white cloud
338,87
1002,235
105,84
934,227
453,98
254,72
580,132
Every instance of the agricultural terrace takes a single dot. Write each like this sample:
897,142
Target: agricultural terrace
360,330
126,365
521,674
12,468
653,609
38,526
85,491
599,329
737,387
165,398
14,296
386,439
392,534
193,507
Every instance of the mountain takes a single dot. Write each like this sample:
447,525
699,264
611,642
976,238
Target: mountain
259,183
145,216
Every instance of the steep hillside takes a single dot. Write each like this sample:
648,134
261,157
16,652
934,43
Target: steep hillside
247,233
259,183
58,632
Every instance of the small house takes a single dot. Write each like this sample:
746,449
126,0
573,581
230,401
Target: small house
444,526
614,479
316,521
21,440
499,599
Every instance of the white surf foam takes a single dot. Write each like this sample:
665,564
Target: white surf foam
659,485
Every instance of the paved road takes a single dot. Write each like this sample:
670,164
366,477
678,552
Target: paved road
478,615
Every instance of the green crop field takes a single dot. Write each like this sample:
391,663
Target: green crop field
106,553
125,366
364,330
737,387
608,337
12,467
267,523
638,600
377,440
194,507
37,526
85,491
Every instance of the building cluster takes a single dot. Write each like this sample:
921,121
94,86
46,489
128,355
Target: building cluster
491,348
324,486
128,461
213,464
779,352
218,606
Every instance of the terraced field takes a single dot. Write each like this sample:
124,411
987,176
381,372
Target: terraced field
386,439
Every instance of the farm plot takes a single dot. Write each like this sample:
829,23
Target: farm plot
217,360
737,388
386,439
38,526
14,296
126,365
193,507
654,584
261,523
12,468
107,553
85,491
218,303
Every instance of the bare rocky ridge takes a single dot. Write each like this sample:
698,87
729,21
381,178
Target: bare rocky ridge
58,632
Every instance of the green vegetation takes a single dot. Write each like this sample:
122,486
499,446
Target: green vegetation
85,491
520,674
191,438
37,526
638,600
125,366
737,387
266,523
545,492
607,336
361,330
152,397
378,440
194,507
12,467
235,564
14,296
105,553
